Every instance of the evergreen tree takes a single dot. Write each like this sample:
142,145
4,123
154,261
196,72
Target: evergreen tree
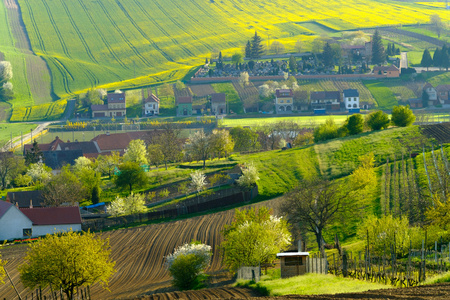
34,155
248,50
328,55
445,62
378,55
292,64
257,47
437,58
389,49
426,61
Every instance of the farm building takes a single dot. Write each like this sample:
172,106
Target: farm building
415,103
184,106
284,101
16,223
218,104
292,263
151,106
389,71
115,107
328,100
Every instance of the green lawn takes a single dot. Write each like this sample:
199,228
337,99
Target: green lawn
6,129
313,284
383,95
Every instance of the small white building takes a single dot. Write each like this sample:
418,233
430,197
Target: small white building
351,98
13,223
151,105
20,223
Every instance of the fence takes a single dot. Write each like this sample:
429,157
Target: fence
194,206
388,268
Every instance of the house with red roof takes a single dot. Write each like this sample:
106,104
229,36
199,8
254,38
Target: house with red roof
388,71
114,107
151,106
16,223
284,101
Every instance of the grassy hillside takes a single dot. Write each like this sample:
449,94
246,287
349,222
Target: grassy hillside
105,43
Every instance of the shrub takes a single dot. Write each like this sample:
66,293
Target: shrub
355,124
402,116
377,120
326,131
187,264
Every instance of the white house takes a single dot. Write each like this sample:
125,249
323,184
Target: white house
13,223
351,98
18,223
151,105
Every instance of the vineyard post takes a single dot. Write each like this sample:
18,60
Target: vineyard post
435,252
444,158
437,171
426,171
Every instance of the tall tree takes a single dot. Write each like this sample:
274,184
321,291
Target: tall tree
67,261
136,152
378,55
199,146
10,167
402,116
377,120
221,142
64,187
33,155
130,175
355,124
327,56
445,59
436,21
293,64
437,58
426,61
168,138
277,47
244,139
248,50
257,47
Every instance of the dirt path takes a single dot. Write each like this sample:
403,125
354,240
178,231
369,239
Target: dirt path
26,138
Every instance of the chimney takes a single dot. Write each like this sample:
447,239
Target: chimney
31,203
17,204
299,243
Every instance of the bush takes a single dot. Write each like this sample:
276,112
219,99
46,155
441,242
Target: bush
187,264
355,124
326,131
377,120
402,116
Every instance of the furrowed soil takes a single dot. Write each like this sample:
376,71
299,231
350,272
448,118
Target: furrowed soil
139,255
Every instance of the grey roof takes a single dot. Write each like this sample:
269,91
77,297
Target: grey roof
99,107
351,93
218,98
23,198
4,207
57,159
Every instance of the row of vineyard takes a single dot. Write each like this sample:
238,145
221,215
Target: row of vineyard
410,183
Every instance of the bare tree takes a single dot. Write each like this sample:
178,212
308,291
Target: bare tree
199,146
169,142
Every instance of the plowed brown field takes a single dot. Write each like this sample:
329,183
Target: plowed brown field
139,254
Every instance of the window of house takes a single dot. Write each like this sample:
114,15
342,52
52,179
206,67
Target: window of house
27,232
349,105
288,101
281,101
293,261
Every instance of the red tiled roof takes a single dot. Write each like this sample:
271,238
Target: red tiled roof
284,93
118,141
184,99
151,98
325,95
53,215
427,85
443,88
385,68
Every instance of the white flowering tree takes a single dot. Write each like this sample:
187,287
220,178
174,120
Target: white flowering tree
249,176
81,163
133,204
39,172
254,237
136,152
187,265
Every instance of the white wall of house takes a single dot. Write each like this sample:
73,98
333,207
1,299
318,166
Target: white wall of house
351,101
151,107
39,230
12,224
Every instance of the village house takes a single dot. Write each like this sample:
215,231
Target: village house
415,103
326,100
184,106
24,199
114,107
388,71
284,101
218,104
16,223
432,94
151,106
443,94
351,100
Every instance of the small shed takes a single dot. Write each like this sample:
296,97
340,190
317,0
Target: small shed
292,263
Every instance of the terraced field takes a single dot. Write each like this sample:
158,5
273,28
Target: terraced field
139,255
129,43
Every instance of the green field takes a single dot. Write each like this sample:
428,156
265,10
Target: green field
384,96
8,129
129,43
